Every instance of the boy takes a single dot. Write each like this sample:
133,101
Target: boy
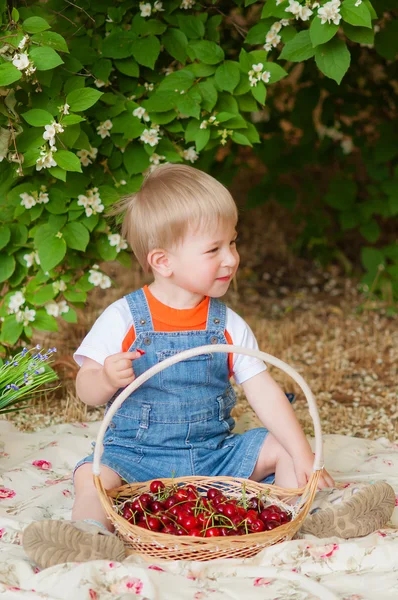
181,227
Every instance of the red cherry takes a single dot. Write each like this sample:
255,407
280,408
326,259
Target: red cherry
251,516
229,510
217,500
156,485
271,525
145,500
157,506
128,513
241,511
142,524
265,513
181,494
212,493
285,517
189,522
274,516
195,533
257,526
181,531
170,501
166,520
213,532
154,524
224,531
170,529
274,508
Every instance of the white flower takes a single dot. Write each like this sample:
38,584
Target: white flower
305,13
272,38
27,200
158,6
347,145
26,316
91,202
258,68
139,112
266,76
156,158
294,7
267,47
104,128
190,154
278,2
203,125
283,22
315,5
21,61
329,12
116,240
106,282
149,86
99,83
186,4
43,198
357,3
93,152
145,9
16,300
84,157
150,136
46,161
23,42
63,306
29,259
59,286
276,27
99,279
52,308
65,109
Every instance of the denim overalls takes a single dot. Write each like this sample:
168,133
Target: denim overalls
178,423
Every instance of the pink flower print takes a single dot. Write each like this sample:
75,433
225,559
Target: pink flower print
156,568
111,565
44,465
4,455
199,596
396,500
6,493
134,584
261,581
67,493
2,531
388,463
80,425
14,589
93,594
323,551
36,570
381,534
129,584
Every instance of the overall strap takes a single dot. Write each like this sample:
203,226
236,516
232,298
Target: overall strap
140,311
217,315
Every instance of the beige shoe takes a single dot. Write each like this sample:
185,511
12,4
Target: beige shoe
354,511
50,543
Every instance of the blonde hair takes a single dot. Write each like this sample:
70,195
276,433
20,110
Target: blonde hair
172,198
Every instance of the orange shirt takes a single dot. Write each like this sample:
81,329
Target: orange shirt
165,318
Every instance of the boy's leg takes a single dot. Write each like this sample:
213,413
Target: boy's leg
85,538
273,458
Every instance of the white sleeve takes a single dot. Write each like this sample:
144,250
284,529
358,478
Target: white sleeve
244,367
107,334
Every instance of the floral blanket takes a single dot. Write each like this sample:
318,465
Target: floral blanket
35,471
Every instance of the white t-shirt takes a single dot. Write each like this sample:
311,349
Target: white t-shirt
110,331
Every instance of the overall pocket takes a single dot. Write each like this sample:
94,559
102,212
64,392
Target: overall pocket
190,373
129,426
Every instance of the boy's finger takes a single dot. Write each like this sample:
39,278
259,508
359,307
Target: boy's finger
131,355
127,372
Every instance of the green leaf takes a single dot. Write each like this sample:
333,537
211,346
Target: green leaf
179,81
188,106
58,173
128,67
118,44
50,247
5,236
370,231
146,51
44,321
38,117
371,259
72,119
259,92
131,127
45,58
191,25
227,75
277,73
106,251
256,35
209,95
360,35
7,266
43,295
298,48
320,34
75,296
201,139
333,59
341,194
135,159
35,25
208,52
76,236
82,99
9,74
68,161
11,330
275,8
241,139
70,316
356,15
52,39
176,42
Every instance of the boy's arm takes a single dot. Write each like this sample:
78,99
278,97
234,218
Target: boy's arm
96,384
276,413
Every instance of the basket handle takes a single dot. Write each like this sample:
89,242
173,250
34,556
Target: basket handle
221,348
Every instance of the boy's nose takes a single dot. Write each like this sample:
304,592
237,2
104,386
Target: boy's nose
231,258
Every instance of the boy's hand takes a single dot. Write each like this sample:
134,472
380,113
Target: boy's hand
118,369
303,467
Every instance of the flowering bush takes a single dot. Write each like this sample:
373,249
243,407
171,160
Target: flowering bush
94,95
22,376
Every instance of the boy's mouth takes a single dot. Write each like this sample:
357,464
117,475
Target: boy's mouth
226,278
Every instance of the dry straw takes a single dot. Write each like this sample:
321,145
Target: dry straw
170,547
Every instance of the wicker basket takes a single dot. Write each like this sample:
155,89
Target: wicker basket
170,547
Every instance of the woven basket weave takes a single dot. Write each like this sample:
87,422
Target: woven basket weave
169,547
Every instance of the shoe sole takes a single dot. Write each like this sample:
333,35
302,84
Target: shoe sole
50,543
366,511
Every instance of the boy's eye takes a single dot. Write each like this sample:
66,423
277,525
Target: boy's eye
213,250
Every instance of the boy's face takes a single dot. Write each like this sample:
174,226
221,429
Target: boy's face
206,261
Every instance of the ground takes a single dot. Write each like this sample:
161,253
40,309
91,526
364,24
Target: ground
313,318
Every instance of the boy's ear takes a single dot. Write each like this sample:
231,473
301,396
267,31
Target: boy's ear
158,259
